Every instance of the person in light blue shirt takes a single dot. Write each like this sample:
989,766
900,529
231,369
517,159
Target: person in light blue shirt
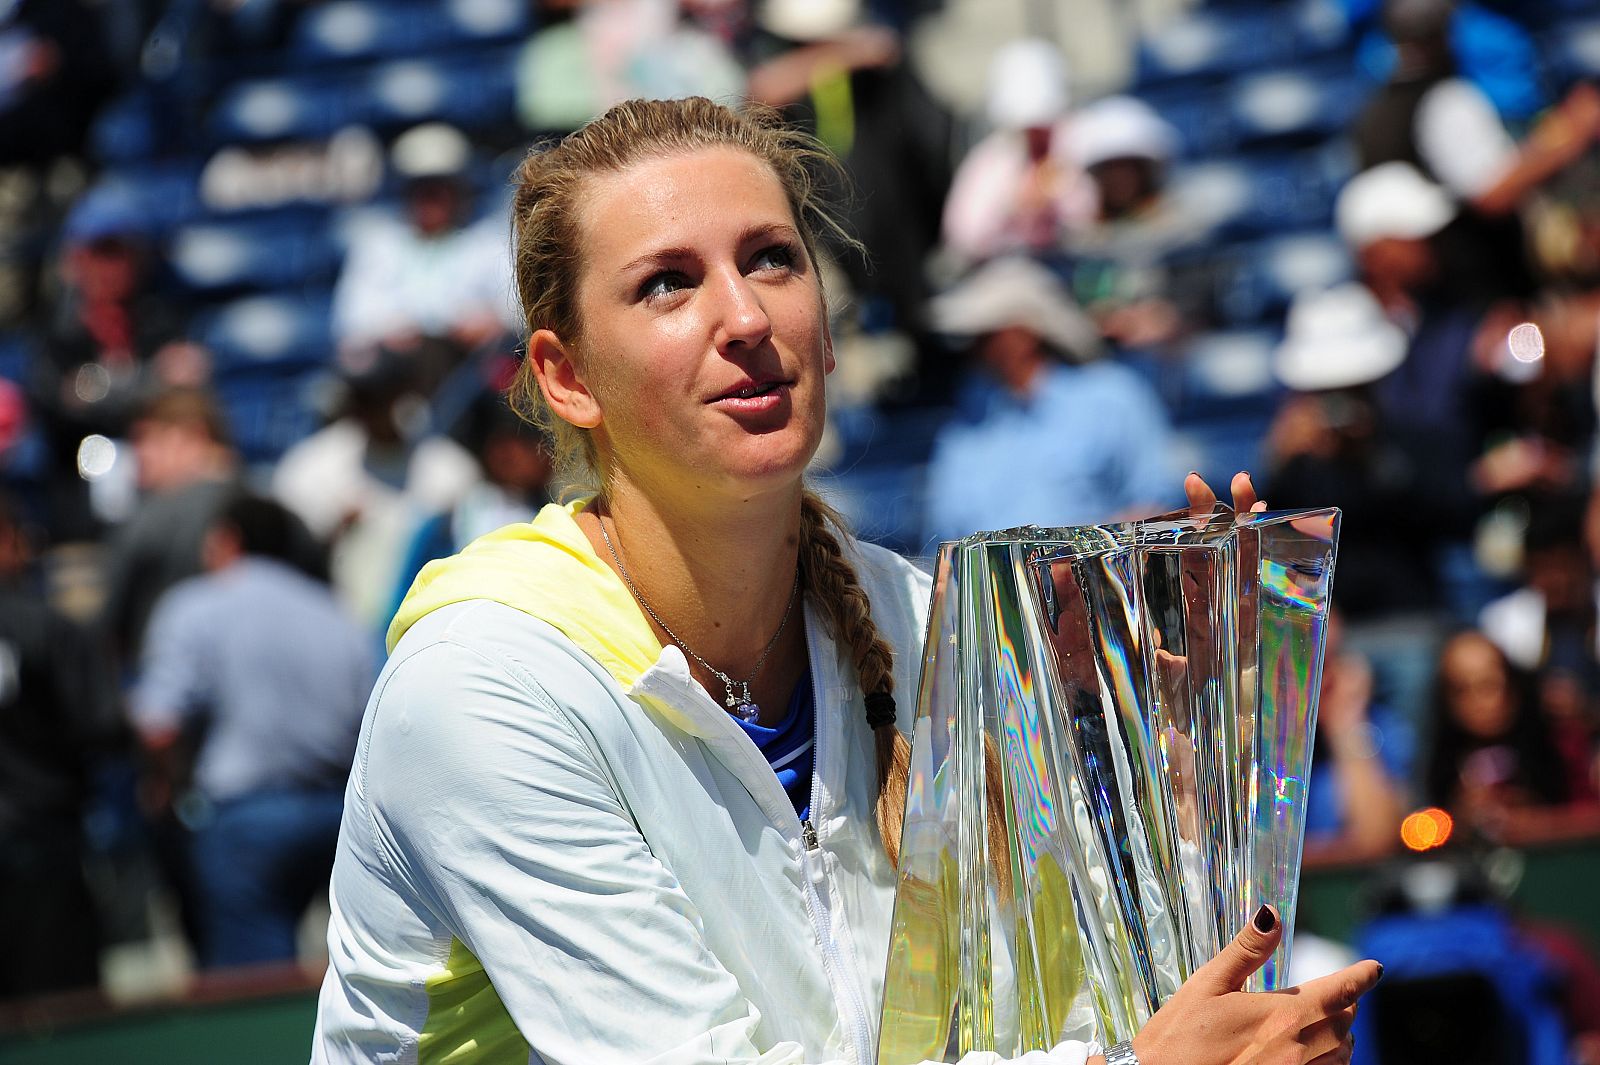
1061,437
258,661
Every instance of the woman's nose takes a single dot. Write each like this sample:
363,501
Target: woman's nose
742,318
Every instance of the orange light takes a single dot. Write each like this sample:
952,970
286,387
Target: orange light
1426,829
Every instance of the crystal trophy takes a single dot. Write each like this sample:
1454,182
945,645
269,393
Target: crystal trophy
1134,705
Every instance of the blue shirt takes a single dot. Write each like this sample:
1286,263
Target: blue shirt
1089,443
790,747
277,670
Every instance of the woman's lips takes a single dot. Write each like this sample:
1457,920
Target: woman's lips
754,399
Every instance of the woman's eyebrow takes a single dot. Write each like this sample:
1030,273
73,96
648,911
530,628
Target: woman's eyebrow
661,256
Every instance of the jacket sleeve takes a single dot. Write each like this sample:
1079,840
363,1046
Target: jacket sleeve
489,803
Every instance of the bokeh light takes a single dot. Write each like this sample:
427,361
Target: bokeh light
1426,829
1526,342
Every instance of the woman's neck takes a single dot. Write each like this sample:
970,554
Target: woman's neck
720,574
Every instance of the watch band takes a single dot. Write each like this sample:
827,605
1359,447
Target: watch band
1121,1054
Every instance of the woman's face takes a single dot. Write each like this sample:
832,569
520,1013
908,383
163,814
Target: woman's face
1477,690
704,341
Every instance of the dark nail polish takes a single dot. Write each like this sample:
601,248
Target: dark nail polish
1265,920
1380,970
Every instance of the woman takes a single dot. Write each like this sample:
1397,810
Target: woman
560,843
1491,754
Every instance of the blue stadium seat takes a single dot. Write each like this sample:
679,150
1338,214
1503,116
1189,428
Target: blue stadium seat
269,411
125,130
1209,42
368,29
1221,447
1574,49
472,90
1201,114
168,192
285,332
277,249
1228,41
1245,196
874,437
1228,374
1255,282
884,504
1296,104
267,109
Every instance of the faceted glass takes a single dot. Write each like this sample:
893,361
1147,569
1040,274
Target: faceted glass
1135,704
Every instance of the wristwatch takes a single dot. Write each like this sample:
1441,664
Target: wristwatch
1121,1054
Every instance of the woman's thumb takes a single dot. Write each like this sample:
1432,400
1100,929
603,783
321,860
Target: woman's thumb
1249,950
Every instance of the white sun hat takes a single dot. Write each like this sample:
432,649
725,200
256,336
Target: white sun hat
1027,84
431,150
1338,338
1120,127
1391,200
807,20
1016,291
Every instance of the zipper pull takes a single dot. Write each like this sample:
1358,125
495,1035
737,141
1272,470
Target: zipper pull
808,833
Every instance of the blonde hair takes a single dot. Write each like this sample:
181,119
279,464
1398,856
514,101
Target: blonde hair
547,256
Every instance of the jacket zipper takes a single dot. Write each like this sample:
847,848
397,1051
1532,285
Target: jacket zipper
862,1038
811,842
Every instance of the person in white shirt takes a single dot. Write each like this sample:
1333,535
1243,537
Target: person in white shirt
434,274
562,843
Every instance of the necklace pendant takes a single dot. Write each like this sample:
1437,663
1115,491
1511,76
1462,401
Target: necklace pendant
747,712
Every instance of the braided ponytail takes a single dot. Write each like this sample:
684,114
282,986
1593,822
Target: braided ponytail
830,580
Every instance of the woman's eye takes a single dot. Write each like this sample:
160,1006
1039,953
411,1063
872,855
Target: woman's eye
663,284
777,257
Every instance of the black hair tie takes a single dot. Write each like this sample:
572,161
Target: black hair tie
880,709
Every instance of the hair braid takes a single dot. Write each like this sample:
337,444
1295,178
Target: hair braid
831,582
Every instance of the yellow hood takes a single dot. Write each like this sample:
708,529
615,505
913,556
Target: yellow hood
547,568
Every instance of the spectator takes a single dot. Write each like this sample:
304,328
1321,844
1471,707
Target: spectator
256,657
1491,755
1446,127
364,483
1121,256
110,327
436,285
576,67
1389,217
1547,627
1080,440
517,467
1020,189
1332,442
847,80
186,471
57,719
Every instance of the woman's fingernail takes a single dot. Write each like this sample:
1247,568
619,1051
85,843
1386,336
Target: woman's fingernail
1380,970
1265,920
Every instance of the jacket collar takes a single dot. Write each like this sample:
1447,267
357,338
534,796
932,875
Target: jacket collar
547,568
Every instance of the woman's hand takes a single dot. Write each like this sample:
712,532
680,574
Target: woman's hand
1211,1021
1202,498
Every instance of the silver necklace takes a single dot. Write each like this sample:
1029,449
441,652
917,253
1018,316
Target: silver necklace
736,693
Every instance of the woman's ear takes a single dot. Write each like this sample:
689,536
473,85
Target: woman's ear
561,382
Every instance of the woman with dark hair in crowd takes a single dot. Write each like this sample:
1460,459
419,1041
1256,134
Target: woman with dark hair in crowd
1491,751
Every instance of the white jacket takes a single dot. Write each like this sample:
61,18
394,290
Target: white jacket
539,863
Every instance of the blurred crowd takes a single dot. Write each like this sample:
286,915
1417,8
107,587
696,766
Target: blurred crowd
257,312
